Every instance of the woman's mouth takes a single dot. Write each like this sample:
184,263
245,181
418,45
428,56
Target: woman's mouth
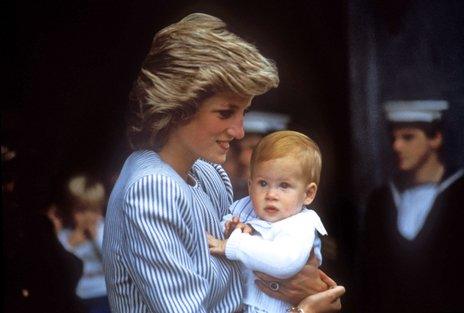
224,144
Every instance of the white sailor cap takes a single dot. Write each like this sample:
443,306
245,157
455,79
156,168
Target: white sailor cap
264,122
426,111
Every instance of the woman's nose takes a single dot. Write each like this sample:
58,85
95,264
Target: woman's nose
236,128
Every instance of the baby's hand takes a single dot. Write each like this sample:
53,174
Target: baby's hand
245,228
230,226
216,246
235,223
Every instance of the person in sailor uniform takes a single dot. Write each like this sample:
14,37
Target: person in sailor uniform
280,232
413,224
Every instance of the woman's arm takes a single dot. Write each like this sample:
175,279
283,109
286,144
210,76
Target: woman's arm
309,281
160,239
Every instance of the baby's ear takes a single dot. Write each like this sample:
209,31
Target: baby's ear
311,190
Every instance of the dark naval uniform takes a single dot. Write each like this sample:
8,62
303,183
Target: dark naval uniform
421,274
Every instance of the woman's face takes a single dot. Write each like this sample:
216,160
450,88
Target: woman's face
218,121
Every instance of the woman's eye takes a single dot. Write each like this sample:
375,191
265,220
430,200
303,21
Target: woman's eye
225,114
262,183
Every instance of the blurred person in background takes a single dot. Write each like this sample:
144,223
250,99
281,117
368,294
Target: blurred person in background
40,275
413,229
85,199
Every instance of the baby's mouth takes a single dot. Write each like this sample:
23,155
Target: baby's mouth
271,209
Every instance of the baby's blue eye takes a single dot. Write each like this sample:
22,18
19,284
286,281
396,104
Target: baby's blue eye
284,185
262,183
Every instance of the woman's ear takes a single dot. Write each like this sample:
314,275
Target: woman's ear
311,191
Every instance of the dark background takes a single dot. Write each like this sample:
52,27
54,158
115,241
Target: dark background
72,64
75,62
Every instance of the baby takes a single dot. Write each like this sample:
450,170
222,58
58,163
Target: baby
280,233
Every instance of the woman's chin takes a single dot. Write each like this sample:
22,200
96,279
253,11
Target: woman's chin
218,159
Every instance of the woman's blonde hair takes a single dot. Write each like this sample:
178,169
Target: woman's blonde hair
290,143
189,61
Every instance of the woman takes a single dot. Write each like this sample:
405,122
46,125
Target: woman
194,87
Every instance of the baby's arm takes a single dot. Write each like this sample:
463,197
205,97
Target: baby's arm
281,257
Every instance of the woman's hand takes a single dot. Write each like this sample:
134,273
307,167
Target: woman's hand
216,246
322,302
309,281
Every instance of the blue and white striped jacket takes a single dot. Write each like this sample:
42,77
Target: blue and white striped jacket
155,253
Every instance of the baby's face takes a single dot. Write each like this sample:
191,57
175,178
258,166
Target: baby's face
278,189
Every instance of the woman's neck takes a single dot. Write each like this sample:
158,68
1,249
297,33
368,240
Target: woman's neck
177,159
